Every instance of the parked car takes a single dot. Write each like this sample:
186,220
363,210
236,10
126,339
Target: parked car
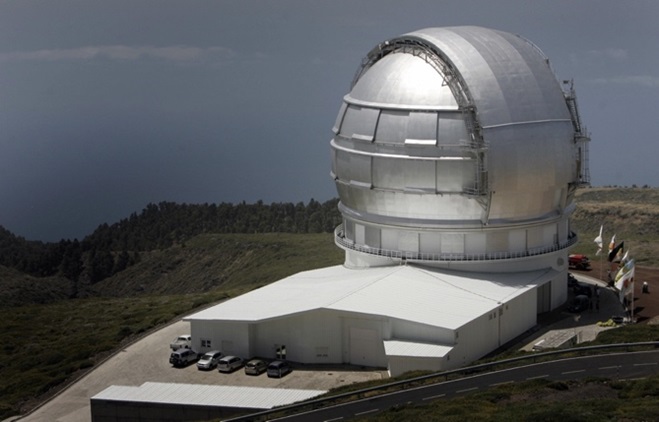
209,360
183,357
579,304
579,262
256,367
181,342
229,363
278,369
583,289
618,319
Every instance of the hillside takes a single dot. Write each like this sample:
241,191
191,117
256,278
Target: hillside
17,288
167,259
209,261
191,270
222,261
632,214
111,249
153,292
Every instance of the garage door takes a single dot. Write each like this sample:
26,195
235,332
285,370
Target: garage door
365,347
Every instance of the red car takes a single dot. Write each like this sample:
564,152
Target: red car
579,262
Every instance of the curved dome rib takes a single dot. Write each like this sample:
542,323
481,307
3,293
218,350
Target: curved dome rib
456,83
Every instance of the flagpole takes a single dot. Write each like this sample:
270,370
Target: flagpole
633,287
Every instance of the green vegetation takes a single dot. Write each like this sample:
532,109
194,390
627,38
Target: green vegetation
39,355
632,214
110,250
147,270
43,346
628,334
541,400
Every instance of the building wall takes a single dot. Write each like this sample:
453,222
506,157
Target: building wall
362,339
559,289
474,339
517,316
310,337
130,411
231,338
398,365
333,337
468,242
422,333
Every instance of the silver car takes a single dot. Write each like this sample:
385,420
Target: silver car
229,363
183,357
209,360
255,367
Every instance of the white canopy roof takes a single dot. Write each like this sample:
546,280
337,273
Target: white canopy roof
207,395
422,295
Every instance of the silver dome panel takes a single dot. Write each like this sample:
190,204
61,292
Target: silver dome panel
457,129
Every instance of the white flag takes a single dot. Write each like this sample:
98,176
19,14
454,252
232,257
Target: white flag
598,241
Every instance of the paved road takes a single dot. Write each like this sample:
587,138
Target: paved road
616,366
148,360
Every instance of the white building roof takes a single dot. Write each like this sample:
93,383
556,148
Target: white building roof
415,349
206,395
427,296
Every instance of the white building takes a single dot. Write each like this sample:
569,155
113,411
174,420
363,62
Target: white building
402,317
456,156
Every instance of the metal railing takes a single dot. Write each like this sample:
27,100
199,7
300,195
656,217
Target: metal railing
342,242
438,376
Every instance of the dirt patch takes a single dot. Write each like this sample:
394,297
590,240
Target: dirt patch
566,392
646,305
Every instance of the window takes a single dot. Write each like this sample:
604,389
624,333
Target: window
205,342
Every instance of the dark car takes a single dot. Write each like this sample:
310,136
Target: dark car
183,357
582,289
255,367
278,369
579,304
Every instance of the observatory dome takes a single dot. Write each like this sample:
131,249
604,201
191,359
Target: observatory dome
455,143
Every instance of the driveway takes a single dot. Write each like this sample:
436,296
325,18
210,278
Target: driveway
148,360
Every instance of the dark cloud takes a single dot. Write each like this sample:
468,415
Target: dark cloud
107,106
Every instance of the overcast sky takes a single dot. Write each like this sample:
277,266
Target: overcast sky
106,106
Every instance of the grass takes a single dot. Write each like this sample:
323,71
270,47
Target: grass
44,346
631,214
542,400
234,261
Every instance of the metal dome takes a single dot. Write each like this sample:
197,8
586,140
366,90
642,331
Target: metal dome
456,141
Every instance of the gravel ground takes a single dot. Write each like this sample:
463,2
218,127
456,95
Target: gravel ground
148,360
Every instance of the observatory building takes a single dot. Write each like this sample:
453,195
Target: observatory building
456,155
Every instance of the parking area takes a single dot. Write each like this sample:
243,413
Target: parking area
148,360
302,377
